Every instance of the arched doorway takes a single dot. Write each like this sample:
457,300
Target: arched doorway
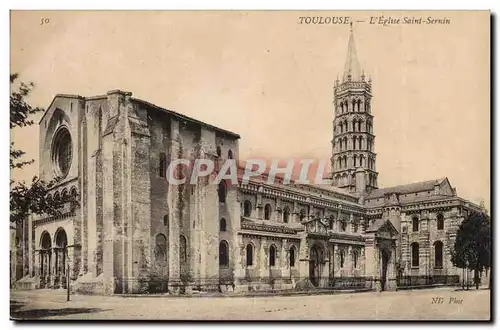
315,264
61,242
45,257
385,257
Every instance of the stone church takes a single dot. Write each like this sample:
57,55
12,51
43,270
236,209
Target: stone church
131,231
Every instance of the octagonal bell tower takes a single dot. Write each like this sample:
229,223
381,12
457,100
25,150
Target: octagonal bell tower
353,156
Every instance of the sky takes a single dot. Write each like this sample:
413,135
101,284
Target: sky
270,79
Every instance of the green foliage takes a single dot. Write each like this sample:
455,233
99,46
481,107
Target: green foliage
473,243
26,199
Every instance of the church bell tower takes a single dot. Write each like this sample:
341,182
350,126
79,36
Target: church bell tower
353,156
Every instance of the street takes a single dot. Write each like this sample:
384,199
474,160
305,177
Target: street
429,304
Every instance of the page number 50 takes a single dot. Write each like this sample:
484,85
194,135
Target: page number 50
44,21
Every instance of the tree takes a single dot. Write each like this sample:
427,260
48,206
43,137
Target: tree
26,199
473,245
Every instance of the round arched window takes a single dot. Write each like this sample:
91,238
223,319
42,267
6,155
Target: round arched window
62,152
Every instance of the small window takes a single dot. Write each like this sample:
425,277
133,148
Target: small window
249,254
247,208
286,215
292,257
302,215
415,250
222,224
163,165
230,154
165,220
343,225
182,249
272,256
161,248
440,221
267,212
219,151
223,253
222,191
438,254
355,259
342,257
415,224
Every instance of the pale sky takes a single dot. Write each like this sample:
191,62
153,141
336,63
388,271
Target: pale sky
270,79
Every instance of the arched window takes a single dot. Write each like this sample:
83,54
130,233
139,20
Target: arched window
219,151
354,124
360,143
230,154
286,214
302,215
161,248
415,250
414,222
62,152
182,249
340,128
359,105
163,165
272,255
353,105
342,258
359,126
361,160
354,141
355,227
223,254
440,221
355,158
249,251
247,208
222,191
343,225
355,259
165,220
222,224
438,254
292,256
267,212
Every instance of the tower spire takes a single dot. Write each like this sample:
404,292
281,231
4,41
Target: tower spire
352,69
353,157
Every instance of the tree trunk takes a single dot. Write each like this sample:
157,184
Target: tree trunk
476,278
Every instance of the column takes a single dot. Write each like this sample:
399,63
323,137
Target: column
350,265
53,271
174,217
263,259
325,270
285,259
30,247
336,263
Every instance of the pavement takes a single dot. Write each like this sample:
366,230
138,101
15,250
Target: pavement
427,304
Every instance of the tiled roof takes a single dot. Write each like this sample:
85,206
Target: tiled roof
186,118
405,189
